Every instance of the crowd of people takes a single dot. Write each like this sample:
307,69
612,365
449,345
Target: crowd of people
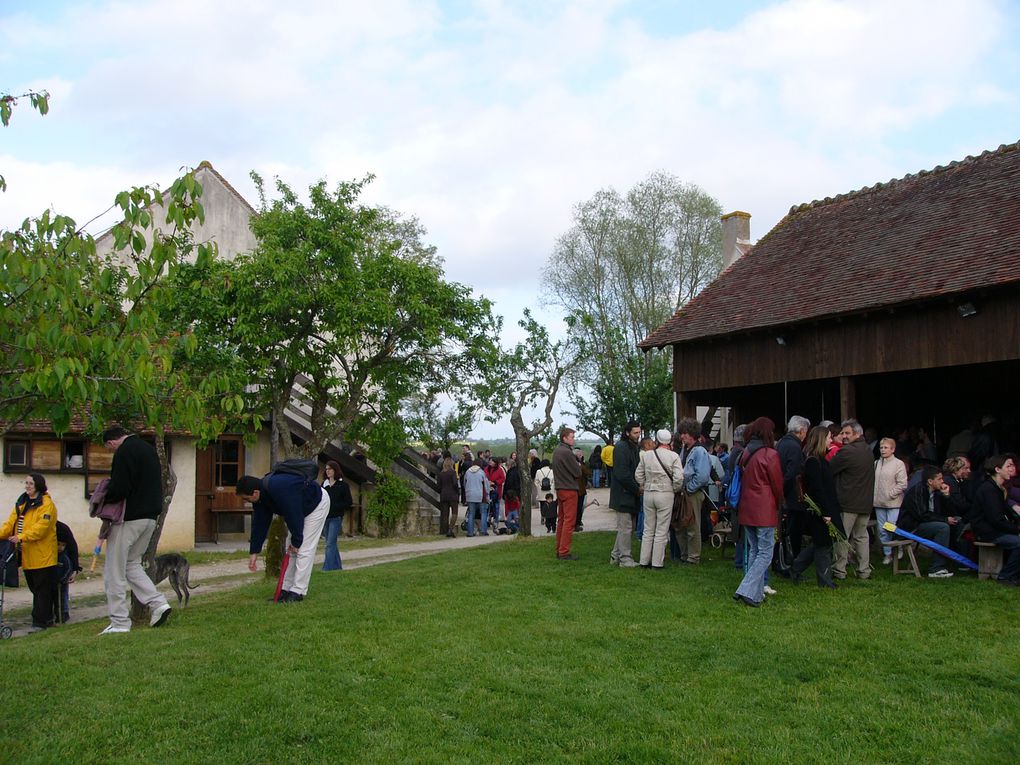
814,496
807,498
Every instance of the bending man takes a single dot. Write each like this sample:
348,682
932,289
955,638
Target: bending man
303,505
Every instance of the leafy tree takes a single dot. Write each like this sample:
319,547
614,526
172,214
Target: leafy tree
519,379
629,262
341,313
85,334
434,427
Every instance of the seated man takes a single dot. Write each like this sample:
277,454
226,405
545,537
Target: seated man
924,513
303,505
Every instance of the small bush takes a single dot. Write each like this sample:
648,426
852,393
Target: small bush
389,502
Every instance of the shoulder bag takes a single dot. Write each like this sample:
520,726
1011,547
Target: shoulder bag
683,514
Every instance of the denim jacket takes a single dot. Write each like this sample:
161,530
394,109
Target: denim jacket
697,470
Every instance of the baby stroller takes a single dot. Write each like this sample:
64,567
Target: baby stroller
5,629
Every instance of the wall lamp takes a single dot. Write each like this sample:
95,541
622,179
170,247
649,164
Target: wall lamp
966,309
781,340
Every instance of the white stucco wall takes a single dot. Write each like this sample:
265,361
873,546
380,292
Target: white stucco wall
227,219
256,455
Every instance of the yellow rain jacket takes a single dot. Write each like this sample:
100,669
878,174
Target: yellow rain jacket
35,523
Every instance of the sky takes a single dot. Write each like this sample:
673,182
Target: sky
491,120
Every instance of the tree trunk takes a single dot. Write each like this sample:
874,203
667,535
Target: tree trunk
527,485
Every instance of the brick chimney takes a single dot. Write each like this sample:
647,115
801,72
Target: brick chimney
736,236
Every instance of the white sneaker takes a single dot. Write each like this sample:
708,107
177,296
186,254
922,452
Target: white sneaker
887,560
940,574
899,553
110,630
629,563
160,615
769,590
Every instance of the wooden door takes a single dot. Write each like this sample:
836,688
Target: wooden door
218,467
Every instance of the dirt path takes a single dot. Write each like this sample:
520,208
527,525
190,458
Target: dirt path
88,600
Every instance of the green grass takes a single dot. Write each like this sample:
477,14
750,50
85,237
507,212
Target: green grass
503,654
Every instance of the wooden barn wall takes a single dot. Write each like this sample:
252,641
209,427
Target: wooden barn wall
912,337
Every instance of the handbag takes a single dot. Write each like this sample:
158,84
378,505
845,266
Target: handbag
683,514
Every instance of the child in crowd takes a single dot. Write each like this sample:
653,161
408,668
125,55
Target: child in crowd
68,567
549,509
512,501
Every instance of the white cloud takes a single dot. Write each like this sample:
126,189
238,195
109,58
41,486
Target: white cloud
492,121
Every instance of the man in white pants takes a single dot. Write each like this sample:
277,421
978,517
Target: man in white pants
135,479
303,505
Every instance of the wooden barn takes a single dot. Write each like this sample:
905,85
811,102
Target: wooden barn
896,304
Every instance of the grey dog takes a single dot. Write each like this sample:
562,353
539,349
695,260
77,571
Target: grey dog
177,568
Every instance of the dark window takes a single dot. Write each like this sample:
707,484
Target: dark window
16,454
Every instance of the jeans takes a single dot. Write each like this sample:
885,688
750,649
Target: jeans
333,561
478,508
513,520
760,542
596,477
937,532
1011,561
639,522
883,514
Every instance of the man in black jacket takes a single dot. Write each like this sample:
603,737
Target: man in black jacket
625,494
136,478
924,513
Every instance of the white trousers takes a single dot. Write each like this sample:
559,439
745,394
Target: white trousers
658,513
124,549
299,571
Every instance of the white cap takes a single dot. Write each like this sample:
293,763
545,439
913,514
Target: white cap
663,436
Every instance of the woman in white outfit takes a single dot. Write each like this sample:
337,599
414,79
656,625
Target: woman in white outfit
659,474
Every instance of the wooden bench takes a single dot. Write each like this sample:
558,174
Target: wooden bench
908,545
218,512
989,560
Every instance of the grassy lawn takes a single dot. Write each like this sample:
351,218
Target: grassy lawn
503,654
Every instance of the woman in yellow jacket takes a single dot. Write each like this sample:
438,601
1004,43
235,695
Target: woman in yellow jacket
32,527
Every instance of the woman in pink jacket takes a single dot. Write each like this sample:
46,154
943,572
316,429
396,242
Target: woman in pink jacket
761,494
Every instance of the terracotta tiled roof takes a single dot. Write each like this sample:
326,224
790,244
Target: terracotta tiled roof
938,232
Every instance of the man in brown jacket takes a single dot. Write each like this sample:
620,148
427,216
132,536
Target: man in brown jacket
854,471
566,472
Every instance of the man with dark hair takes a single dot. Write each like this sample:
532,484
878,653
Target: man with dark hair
135,478
625,493
303,505
924,513
697,475
566,472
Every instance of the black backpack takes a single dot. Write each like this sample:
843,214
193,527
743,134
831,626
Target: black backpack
546,483
304,468
311,492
